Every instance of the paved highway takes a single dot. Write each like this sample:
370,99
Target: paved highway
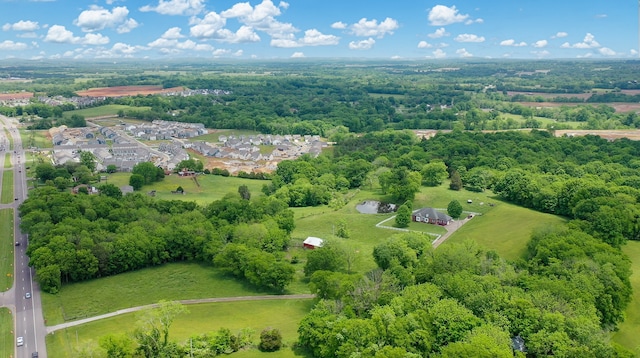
24,296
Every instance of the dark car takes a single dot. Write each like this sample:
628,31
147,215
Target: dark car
17,243
34,355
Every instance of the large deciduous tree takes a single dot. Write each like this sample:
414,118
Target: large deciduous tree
454,209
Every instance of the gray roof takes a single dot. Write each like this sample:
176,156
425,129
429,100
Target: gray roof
432,213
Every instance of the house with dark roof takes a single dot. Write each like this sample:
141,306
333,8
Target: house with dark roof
431,216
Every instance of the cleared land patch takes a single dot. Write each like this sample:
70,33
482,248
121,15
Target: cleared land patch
121,91
281,314
176,281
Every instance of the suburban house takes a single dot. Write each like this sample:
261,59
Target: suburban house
312,242
431,216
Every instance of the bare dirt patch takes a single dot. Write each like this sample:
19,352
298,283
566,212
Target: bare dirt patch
17,95
606,134
121,91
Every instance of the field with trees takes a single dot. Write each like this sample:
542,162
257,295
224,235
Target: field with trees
544,259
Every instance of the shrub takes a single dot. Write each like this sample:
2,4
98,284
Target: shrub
270,340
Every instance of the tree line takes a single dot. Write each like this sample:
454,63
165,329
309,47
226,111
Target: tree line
80,237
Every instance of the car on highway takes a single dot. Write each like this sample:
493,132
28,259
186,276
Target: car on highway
34,355
20,341
27,295
17,243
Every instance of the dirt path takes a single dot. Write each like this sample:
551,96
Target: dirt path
52,329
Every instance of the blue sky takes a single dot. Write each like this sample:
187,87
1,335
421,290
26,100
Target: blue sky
273,29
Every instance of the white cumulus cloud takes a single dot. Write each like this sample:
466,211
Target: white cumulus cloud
540,43
98,18
560,34
441,32
339,25
362,45
60,34
297,55
176,7
95,39
262,17
589,41
8,45
469,38
606,51
441,15
439,53
311,37
512,42
371,27
463,53
424,44
172,33
21,25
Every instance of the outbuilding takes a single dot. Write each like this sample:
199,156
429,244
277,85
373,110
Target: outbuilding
312,242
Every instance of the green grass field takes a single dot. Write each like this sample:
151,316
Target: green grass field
6,249
7,342
544,121
100,111
201,318
7,161
211,187
36,138
627,334
176,281
506,228
7,187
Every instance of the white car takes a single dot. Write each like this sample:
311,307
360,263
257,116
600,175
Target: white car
20,341
27,295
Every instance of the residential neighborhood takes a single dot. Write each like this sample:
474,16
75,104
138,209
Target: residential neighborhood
126,145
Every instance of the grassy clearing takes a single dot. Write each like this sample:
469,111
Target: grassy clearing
7,161
100,111
627,334
201,318
544,121
176,281
506,228
6,249
7,187
6,333
211,187
36,139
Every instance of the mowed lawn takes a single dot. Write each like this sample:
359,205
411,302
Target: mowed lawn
7,340
627,334
208,188
7,187
175,281
506,228
6,249
106,110
35,138
284,315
